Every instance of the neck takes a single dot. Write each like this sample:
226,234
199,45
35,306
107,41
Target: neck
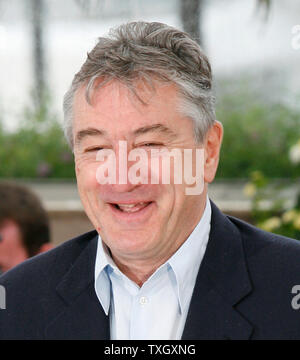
139,272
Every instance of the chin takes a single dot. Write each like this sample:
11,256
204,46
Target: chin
129,242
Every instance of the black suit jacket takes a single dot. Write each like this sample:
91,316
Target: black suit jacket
243,289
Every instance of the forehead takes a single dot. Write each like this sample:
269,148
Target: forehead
114,104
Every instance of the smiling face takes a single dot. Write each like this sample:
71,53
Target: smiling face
146,222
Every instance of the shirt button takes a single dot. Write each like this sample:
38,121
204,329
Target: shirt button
143,300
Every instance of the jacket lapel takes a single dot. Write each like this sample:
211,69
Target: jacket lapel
82,317
222,282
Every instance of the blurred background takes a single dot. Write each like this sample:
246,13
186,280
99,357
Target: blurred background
254,50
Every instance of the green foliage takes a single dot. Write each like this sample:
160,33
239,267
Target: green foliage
275,217
36,149
257,136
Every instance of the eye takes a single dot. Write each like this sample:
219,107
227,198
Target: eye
150,144
92,149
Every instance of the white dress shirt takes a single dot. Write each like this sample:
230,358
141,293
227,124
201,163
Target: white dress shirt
158,309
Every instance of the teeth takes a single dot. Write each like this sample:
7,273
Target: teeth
127,205
131,207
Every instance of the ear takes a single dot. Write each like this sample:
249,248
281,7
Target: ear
45,247
212,145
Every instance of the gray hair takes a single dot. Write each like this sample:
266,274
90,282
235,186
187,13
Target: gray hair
149,50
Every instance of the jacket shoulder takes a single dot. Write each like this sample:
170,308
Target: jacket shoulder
257,241
274,271
31,299
56,260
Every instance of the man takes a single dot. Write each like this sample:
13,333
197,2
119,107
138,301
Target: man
162,263
24,225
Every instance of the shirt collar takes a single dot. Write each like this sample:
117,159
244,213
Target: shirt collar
102,281
185,271
187,260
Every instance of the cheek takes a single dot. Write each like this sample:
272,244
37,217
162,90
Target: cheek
86,176
177,202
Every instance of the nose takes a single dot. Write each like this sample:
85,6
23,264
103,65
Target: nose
117,165
124,182
123,188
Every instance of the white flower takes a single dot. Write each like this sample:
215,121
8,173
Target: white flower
271,224
249,190
289,216
296,222
294,153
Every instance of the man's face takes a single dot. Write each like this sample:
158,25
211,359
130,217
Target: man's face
12,250
136,221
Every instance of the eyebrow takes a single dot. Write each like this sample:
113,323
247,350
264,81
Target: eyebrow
154,128
88,132
140,131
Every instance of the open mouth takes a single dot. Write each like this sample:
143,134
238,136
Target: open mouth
131,208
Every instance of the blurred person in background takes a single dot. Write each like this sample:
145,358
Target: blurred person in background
24,225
